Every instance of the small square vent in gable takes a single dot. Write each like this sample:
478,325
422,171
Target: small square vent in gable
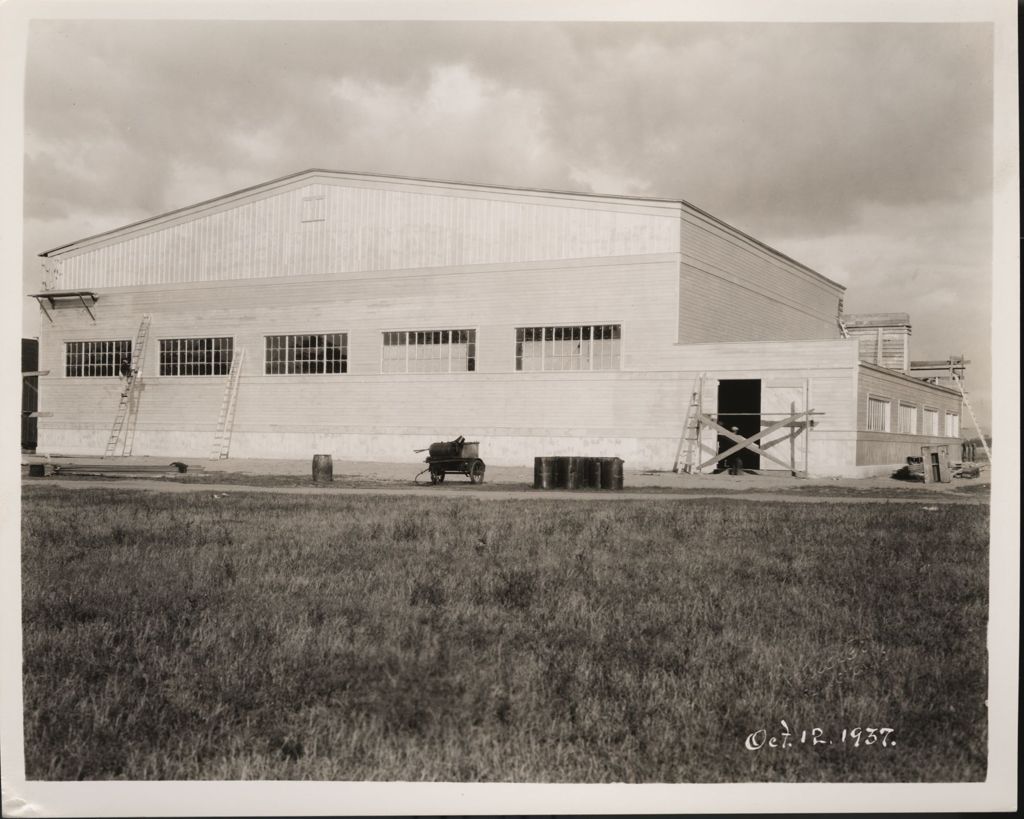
313,209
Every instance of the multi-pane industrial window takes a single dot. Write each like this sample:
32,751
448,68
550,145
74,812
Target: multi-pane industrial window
878,414
579,347
313,353
952,425
429,351
931,422
906,421
195,356
87,359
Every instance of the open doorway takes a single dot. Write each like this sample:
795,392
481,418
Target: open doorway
739,407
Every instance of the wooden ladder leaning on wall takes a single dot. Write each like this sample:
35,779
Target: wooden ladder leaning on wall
124,418
970,409
690,436
226,419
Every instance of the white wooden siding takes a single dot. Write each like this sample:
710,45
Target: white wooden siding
367,228
733,289
636,411
691,296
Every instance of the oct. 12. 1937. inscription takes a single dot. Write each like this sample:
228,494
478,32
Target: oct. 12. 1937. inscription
816,737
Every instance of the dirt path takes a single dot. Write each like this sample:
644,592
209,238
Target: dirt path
448,492
503,483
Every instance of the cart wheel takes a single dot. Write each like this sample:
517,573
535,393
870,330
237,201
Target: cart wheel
436,476
476,472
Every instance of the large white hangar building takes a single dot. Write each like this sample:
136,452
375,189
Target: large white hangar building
365,316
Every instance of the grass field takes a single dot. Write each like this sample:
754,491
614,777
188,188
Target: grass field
188,636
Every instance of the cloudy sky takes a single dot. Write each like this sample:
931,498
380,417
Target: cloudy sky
862,150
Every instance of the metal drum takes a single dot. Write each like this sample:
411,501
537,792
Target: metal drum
545,473
323,468
575,476
611,473
575,472
561,471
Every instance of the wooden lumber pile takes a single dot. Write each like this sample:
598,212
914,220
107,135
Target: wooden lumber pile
176,468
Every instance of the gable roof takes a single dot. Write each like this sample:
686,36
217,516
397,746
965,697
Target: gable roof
255,191
266,187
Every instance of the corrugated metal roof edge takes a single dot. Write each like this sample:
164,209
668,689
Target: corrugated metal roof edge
322,171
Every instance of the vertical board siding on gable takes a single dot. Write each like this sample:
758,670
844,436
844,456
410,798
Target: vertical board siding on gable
731,289
368,228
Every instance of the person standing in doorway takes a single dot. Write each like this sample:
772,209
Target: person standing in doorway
736,460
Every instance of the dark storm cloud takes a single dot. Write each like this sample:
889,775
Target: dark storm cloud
802,122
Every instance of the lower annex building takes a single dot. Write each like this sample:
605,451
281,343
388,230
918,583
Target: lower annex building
365,316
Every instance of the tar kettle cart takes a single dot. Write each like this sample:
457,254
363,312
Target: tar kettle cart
459,456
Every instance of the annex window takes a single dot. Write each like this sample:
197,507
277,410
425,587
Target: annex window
196,356
952,425
931,422
307,354
429,351
906,421
878,414
577,347
95,359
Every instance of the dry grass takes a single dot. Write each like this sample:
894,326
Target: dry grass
312,637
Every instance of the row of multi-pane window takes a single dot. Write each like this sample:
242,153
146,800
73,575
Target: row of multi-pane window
309,354
196,356
581,347
95,358
880,419
429,351
586,347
